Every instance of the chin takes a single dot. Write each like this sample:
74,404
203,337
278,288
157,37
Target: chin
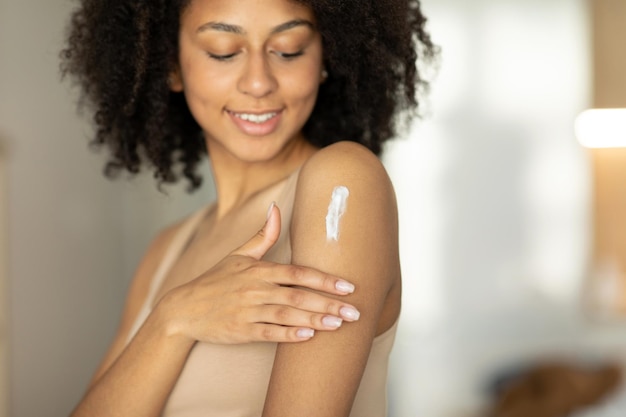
259,149
257,153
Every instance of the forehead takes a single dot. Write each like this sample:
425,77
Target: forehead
245,13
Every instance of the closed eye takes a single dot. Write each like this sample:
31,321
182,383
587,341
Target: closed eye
288,56
221,57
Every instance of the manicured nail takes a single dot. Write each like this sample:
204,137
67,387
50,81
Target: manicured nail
269,210
332,322
344,286
305,333
349,313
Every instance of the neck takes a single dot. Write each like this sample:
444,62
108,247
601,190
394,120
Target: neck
236,180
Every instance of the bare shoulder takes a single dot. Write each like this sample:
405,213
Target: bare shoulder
348,160
365,227
162,240
137,293
349,164
159,247
356,239
145,271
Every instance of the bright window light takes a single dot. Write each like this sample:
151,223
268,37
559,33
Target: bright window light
601,128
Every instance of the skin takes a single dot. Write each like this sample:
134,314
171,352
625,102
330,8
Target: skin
321,377
219,295
256,78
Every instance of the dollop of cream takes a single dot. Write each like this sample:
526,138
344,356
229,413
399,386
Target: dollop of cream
336,209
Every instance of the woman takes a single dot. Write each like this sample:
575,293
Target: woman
291,100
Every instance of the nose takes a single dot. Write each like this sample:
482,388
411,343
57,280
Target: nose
257,79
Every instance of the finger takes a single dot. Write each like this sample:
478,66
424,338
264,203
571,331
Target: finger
263,332
312,303
294,317
265,238
310,278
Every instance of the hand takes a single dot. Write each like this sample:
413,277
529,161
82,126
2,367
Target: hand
244,299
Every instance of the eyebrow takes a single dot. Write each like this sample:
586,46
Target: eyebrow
292,24
238,30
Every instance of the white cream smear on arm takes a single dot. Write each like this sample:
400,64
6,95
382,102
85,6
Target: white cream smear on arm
336,209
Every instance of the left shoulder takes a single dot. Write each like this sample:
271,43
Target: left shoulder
345,163
346,177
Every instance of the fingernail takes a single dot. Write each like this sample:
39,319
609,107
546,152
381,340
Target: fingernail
349,313
344,286
331,321
305,333
269,210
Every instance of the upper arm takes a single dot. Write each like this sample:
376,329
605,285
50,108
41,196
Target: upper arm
321,377
137,293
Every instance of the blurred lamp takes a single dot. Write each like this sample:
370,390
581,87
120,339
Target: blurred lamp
601,128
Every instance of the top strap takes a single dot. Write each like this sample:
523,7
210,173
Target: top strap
174,250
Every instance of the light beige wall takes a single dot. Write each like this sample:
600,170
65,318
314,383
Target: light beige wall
4,376
4,389
74,238
64,291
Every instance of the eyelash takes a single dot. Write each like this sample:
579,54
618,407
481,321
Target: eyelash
221,58
289,57
285,56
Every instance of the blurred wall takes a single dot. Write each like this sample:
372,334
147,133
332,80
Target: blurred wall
65,292
494,199
74,237
4,340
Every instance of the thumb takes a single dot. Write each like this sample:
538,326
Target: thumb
265,238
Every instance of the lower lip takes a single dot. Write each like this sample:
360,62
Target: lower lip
256,129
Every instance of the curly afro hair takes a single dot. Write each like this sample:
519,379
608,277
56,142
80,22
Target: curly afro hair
121,53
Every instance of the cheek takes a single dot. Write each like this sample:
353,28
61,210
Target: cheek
304,84
204,83
205,104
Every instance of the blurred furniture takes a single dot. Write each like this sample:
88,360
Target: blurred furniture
554,389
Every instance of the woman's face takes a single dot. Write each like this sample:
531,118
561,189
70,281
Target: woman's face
250,71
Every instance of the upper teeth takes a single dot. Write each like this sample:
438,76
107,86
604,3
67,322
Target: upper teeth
255,118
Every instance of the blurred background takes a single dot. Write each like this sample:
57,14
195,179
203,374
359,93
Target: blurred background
510,232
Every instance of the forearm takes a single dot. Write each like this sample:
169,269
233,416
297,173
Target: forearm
139,382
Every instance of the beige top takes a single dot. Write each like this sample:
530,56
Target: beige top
232,380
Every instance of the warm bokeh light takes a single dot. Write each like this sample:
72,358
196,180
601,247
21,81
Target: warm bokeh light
601,128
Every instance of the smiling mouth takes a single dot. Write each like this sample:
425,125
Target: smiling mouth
255,117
